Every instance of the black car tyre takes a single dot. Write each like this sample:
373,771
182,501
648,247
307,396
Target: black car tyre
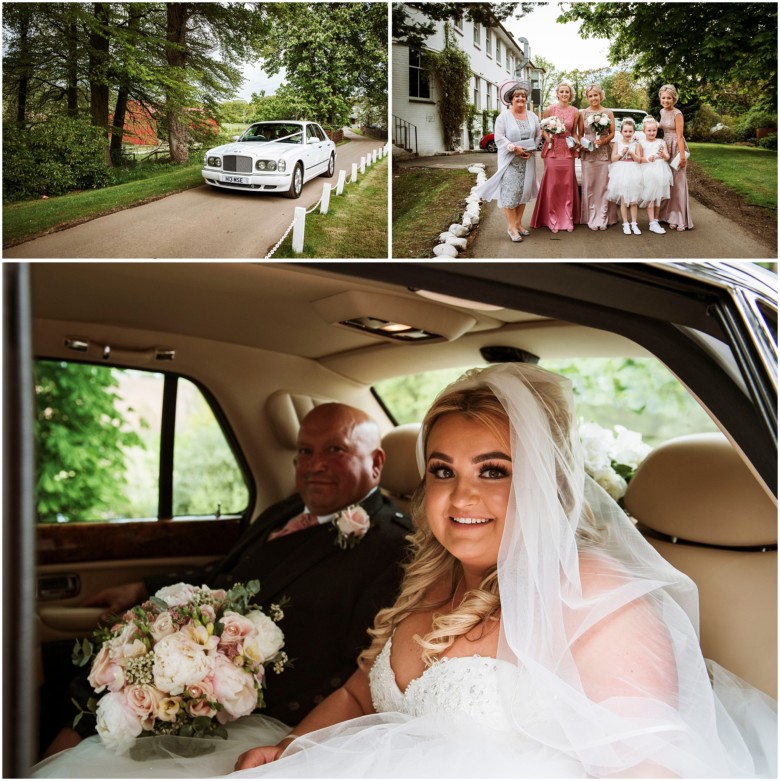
491,146
331,166
296,185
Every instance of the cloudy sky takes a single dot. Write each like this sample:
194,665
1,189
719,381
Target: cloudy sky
559,43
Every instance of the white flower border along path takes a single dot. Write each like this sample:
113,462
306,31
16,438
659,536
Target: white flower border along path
298,225
454,239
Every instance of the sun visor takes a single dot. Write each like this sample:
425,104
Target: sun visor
394,318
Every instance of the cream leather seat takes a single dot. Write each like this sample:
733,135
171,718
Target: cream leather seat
705,512
400,475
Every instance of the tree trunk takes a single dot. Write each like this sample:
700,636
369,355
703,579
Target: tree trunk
98,70
72,86
176,58
118,126
24,71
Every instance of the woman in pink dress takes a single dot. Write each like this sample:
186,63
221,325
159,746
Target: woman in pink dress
597,212
677,210
558,202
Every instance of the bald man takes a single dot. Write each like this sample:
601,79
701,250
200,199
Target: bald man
334,591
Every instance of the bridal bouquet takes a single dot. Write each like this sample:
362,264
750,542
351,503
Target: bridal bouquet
553,125
600,122
185,662
612,456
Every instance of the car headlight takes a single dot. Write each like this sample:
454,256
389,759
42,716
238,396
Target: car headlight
214,162
265,165
281,166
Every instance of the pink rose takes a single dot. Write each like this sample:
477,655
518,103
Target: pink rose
144,700
353,520
105,672
162,626
201,698
235,629
234,689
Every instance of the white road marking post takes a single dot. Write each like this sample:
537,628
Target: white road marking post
325,201
298,229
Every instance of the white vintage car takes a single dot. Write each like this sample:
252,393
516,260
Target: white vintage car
276,157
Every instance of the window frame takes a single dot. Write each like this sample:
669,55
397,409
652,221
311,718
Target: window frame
165,497
421,75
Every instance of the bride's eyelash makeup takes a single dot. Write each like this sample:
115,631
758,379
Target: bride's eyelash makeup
497,467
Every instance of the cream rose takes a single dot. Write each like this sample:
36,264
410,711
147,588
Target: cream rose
267,639
179,662
234,689
144,700
105,672
162,626
168,708
117,723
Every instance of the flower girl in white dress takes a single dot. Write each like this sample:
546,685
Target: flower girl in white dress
656,173
625,175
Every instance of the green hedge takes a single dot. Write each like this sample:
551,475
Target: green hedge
53,158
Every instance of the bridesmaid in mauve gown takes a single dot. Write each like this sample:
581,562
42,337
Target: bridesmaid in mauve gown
597,212
558,202
677,210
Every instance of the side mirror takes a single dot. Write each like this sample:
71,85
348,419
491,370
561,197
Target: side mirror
235,138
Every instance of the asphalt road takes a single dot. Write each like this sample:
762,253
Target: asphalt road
203,222
713,236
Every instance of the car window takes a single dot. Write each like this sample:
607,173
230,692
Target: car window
108,438
637,393
311,133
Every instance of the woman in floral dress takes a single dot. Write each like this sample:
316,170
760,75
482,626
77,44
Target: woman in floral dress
597,212
517,135
677,210
558,203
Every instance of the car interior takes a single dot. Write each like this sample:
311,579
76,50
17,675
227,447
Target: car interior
266,342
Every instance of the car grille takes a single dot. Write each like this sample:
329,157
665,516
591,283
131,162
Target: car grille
239,164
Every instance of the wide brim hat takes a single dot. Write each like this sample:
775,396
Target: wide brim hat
510,85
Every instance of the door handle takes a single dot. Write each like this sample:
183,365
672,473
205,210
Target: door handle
58,586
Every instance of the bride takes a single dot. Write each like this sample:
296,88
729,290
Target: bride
536,633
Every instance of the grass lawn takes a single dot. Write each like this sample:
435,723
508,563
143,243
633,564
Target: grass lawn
355,225
426,201
750,171
28,219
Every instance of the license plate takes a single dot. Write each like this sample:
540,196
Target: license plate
234,179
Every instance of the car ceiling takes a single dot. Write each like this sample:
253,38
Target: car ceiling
295,310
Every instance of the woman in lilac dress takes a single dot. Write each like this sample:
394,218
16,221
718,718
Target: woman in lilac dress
677,210
558,203
597,212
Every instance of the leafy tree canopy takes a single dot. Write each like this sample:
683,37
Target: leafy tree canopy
411,30
692,45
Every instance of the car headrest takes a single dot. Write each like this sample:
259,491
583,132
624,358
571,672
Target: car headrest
697,488
286,410
400,475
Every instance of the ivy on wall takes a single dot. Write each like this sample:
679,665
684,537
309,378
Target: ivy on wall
452,70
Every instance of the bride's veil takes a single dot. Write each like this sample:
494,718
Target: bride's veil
601,632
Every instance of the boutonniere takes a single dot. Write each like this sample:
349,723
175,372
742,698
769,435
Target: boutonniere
352,525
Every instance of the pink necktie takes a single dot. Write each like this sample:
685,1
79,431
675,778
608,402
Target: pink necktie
302,521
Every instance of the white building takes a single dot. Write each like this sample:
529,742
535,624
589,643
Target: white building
495,56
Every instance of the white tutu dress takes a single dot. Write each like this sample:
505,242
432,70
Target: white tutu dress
625,177
656,176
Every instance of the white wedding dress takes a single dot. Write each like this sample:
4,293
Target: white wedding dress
453,721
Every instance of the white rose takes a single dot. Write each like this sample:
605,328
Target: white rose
611,482
629,448
178,663
597,444
117,723
176,595
234,689
265,641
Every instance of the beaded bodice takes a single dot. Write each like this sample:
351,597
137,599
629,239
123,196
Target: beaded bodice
467,684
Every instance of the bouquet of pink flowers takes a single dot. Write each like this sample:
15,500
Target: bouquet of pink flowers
185,662
553,125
